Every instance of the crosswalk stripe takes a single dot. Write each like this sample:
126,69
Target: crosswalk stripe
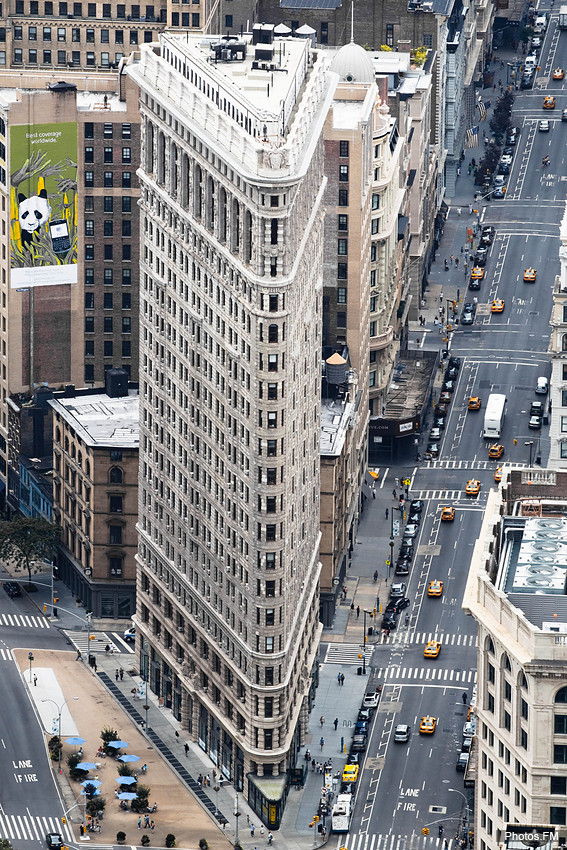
79,639
347,653
23,827
432,674
375,841
24,620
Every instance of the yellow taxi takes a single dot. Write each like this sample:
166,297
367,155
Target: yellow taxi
495,452
530,275
498,474
447,514
427,725
549,102
473,487
477,273
498,306
558,74
474,402
432,649
350,773
435,588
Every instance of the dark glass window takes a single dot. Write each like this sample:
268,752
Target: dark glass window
343,148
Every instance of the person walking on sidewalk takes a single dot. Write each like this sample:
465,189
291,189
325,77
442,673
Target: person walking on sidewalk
386,513
459,210
336,723
146,822
322,720
322,742
140,822
357,611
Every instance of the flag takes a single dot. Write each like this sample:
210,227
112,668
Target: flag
481,110
472,137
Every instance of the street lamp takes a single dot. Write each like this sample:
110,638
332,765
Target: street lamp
530,443
30,659
59,710
216,789
391,542
236,815
456,791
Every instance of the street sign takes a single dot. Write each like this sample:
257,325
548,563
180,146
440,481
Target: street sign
396,528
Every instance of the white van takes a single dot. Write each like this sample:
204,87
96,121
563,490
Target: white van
530,63
540,24
542,386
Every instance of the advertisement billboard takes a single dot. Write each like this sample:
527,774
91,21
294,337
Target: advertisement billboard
43,204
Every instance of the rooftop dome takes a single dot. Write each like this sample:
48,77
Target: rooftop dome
353,64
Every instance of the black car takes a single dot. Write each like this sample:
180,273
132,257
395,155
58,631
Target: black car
439,422
503,168
536,408
403,567
432,450
394,606
474,284
406,551
481,257
451,373
487,235
389,621
499,192
54,840
416,506
467,317
414,517
12,589
365,714
448,386
454,363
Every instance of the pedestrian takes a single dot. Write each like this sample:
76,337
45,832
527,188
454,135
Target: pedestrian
464,697
208,782
446,265
457,262
344,591
451,258
186,747
146,822
342,678
247,820
473,162
270,837
342,744
458,175
441,293
79,656
121,674
357,611
117,674
352,607
322,742
339,678
152,825
336,723
199,780
374,492
252,830
322,720
375,576
435,321
262,829
35,681
470,209
107,648
94,665
394,494
140,822
470,168
313,766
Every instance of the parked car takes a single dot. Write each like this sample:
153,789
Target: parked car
481,257
359,743
535,423
537,408
389,621
371,699
365,714
403,567
432,450
542,386
462,762
398,590
456,361
12,589
130,635
411,531
394,606
468,314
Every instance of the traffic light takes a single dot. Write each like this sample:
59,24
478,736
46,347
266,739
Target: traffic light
425,831
63,821
515,441
44,608
55,600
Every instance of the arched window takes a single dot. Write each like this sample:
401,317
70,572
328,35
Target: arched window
564,342
523,682
197,192
173,172
489,645
235,226
273,333
57,435
561,695
247,237
222,215
115,475
149,152
506,662
185,169
161,148
211,211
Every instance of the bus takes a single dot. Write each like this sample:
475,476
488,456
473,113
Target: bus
494,416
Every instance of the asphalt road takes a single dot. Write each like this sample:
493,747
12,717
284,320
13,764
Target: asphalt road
406,787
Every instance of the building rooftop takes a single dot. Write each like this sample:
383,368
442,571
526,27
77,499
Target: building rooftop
336,414
100,420
410,382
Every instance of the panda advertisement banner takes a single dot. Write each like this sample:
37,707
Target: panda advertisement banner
43,204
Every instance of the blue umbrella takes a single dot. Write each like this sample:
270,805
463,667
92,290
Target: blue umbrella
75,742
127,795
86,765
127,758
117,744
96,782
126,780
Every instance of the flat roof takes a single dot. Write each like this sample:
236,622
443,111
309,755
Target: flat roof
335,418
101,421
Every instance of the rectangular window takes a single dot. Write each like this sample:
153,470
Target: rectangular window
32,57
372,329
375,201
126,277
228,22
89,252
90,58
108,301
133,36
126,325
89,277
91,10
115,534
89,300
89,227
119,36
108,179
47,57
558,785
560,724
126,348
106,10
108,227
341,319
89,348
342,247
89,324
126,179
108,154
126,252
126,227
557,815
342,223
390,35
115,504
341,295
61,57
126,156
105,36
427,39
564,424
89,154
32,33
372,379
109,276
343,148
47,33
375,226
108,252
121,11
126,301
108,204
343,173
342,271
107,349
107,324
563,398
89,373
195,19
343,197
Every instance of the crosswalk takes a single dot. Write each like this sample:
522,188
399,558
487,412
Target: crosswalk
6,655
425,674
24,621
450,496
479,465
371,841
347,653
26,827
98,642
406,637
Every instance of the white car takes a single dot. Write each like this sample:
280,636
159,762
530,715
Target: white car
507,159
130,635
543,126
371,700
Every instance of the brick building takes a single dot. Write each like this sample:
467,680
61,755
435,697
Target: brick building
95,495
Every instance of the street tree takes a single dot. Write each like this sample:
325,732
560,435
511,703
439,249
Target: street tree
25,540
5,844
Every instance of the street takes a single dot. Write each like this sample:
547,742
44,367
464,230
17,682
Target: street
408,788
